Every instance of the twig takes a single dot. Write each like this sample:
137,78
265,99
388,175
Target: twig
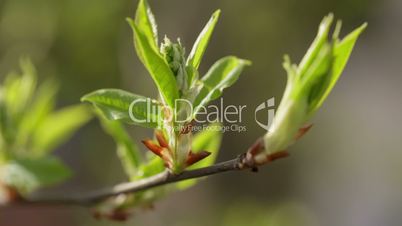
160,179
240,163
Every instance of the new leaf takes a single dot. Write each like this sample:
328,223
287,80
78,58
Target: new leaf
224,73
156,66
200,45
130,108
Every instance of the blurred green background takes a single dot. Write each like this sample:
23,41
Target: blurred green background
346,171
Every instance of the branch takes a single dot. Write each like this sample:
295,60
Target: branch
166,177
160,179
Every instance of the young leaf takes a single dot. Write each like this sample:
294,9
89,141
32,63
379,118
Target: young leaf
20,88
130,108
206,140
200,45
222,74
41,106
156,66
308,86
317,76
58,127
317,44
29,174
127,151
145,21
342,51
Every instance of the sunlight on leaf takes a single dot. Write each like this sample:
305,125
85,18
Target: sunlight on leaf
146,23
200,45
115,105
156,66
342,51
223,74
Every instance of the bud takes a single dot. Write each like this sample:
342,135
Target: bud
174,56
178,155
308,85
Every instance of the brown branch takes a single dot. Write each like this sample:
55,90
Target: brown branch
131,187
240,163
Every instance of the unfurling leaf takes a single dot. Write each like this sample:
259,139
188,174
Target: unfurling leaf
146,23
342,51
223,74
308,85
130,108
200,45
156,66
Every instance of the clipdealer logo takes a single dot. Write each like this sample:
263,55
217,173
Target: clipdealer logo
229,115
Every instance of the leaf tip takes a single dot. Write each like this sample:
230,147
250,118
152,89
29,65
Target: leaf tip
362,27
84,98
216,14
247,62
87,97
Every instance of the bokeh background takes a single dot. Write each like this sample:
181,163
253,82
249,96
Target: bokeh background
346,171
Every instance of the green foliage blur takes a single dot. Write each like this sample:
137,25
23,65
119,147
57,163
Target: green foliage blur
87,45
30,129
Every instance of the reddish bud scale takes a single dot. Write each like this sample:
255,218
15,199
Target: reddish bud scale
11,193
162,152
161,139
196,157
277,155
257,147
156,149
302,131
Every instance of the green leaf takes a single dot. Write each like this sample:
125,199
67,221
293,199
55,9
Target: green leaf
200,45
156,66
315,48
19,89
222,74
127,151
58,127
145,21
317,76
342,51
41,106
308,86
130,108
206,140
29,174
